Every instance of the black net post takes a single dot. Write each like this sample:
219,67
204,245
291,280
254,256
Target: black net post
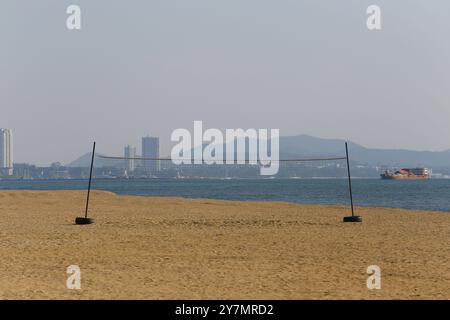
85,219
352,218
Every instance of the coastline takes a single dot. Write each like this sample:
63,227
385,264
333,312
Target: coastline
429,195
178,248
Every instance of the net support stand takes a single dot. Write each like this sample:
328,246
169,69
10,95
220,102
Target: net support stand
351,218
85,219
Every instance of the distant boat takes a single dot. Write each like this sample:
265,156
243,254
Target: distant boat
407,174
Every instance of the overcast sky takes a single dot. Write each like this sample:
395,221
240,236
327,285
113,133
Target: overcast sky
149,67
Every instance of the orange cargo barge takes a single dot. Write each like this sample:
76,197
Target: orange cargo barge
408,174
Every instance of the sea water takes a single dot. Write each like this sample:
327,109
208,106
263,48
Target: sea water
417,195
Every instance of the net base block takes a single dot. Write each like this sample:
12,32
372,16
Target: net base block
353,219
83,220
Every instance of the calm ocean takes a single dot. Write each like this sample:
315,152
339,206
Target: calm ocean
418,195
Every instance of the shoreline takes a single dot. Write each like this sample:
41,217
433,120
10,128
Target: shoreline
144,247
356,206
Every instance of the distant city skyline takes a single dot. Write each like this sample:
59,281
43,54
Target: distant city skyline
150,147
304,67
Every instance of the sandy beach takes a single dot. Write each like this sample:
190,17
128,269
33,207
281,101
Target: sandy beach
173,248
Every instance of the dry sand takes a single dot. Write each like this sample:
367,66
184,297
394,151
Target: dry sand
172,248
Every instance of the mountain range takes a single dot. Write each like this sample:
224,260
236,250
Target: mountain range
305,146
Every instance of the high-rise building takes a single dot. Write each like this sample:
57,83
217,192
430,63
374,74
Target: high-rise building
150,149
6,151
129,153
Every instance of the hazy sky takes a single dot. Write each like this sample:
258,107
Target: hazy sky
149,67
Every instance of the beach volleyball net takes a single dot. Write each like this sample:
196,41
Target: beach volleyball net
152,163
352,218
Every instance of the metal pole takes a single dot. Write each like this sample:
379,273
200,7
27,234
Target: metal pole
90,179
349,179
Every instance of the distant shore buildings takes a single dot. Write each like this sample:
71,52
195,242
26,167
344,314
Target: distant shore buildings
136,167
130,153
150,149
6,152
133,167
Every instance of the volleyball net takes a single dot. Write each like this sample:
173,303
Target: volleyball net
183,162
352,218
